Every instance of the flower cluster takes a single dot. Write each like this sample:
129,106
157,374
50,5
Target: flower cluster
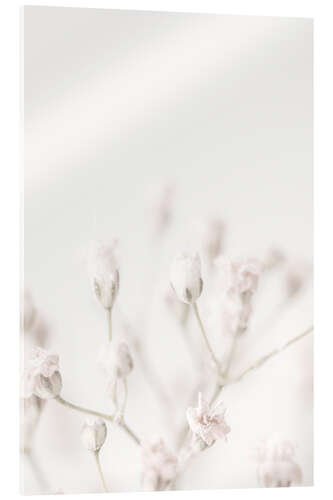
276,463
207,424
159,465
237,281
42,376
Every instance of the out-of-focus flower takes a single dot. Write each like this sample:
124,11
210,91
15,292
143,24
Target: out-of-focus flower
30,311
160,203
208,234
31,410
159,465
185,277
238,276
276,463
297,273
93,433
237,281
178,308
104,273
207,424
274,258
42,376
116,360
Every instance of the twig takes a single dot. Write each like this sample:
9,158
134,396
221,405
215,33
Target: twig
110,418
268,356
99,467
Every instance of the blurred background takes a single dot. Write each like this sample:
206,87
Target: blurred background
129,115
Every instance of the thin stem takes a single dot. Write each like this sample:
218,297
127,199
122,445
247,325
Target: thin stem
204,334
130,432
125,396
271,354
83,410
99,467
232,354
109,321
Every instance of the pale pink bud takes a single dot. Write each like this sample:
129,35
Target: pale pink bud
93,433
185,277
104,273
42,376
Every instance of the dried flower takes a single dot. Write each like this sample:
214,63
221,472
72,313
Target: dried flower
159,465
276,464
207,424
42,376
116,360
185,277
104,273
93,433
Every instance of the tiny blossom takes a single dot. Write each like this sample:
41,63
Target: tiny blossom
185,277
93,433
42,376
207,424
116,360
276,463
159,465
104,273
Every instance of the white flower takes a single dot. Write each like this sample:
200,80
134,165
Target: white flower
104,273
42,376
93,433
116,360
276,463
207,424
159,465
185,277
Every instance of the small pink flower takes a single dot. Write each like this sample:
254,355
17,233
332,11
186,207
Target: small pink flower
42,376
208,424
159,465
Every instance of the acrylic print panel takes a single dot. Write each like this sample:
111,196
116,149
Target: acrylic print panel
167,332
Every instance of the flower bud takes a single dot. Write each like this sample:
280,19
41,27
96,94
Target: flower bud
93,433
42,376
185,277
104,273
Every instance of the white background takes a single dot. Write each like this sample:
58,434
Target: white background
321,462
